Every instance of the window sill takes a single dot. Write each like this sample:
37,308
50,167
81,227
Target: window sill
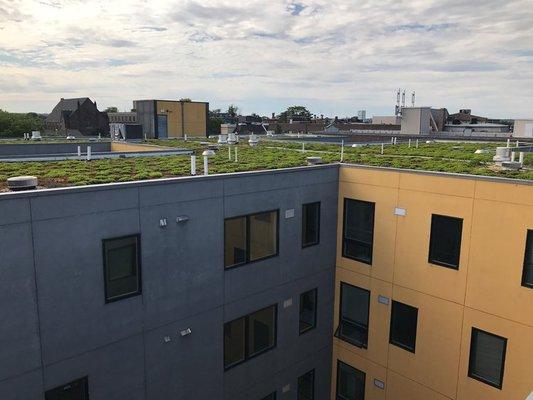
367,262
404,347
485,381
250,262
443,264
249,358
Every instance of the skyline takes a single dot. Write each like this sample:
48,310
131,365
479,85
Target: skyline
332,57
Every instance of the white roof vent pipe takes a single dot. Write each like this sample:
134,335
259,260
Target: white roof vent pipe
222,139
232,138
254,140
207,153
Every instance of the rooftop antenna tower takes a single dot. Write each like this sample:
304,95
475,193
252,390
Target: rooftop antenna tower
413,99
397,108
403,98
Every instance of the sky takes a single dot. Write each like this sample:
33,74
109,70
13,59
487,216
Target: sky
333,56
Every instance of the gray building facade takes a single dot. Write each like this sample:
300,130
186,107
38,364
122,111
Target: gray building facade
57,326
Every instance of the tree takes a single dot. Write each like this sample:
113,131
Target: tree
214,122
233,111
15,124
111,109
186,99
297,113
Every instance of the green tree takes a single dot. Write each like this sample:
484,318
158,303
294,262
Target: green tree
111,109
214,122
16,124
233,111
297,113
186,99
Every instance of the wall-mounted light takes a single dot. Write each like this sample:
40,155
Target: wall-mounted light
379,384
287,303
182,218
185,332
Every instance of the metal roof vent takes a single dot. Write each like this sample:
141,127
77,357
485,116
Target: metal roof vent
22,183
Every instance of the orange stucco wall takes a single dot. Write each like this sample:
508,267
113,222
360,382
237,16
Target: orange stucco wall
485,292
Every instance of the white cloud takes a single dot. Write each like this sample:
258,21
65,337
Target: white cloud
333,56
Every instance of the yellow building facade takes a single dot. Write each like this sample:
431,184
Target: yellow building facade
163,119
434,298
184,117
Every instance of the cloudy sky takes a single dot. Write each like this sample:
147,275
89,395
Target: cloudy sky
333,56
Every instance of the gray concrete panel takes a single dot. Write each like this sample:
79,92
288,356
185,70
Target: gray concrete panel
115,372
183,272
28,386
19,330
70,280
79,202
188,367
14,210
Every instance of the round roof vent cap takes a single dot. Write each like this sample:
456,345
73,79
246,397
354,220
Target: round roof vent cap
22,183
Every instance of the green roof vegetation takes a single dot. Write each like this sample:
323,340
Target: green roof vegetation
269,154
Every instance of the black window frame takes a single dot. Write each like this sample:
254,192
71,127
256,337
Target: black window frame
528,249
138,292
473,348
338,332
392,340
271,396
247,355
364,261
301,378
313,326
338,396
433,240
304,226
84,380
247,250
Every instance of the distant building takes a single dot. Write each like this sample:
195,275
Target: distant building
297,127
423,120
417,120
162,119
123,117
78,116
361,115
465,116
523,128
357,127
386,119
468,129
227,128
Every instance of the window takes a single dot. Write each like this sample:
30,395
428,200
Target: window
122,267
403,323
527,275
310,224
358,230
76,390
353,319
308,310
445,241
306,386
248,336
250,238
271,396
487,357
350,382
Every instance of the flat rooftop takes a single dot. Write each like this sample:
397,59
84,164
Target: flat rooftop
448,157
